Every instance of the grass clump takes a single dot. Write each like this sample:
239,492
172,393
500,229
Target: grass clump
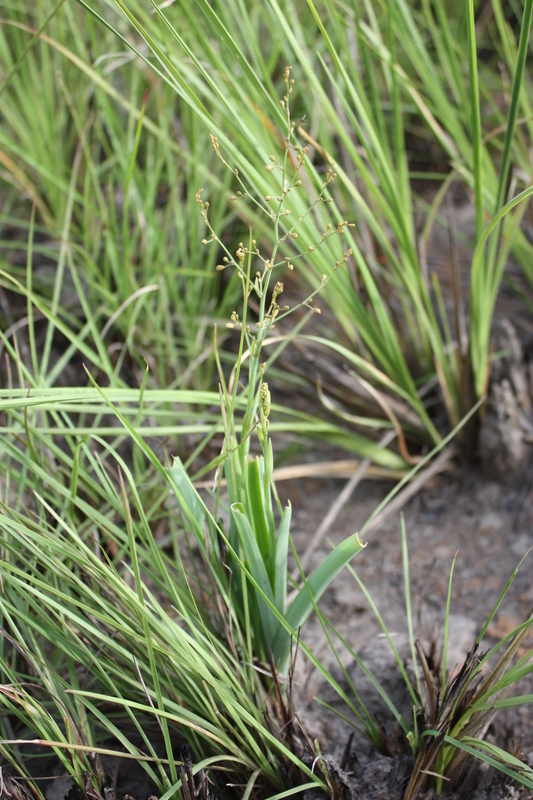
106,655
255,557
399,327
108,636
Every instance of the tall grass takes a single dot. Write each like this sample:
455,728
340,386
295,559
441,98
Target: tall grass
364,73
111,270
110,642
85,578
113,180
253,554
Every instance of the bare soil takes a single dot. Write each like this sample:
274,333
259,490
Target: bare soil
489,527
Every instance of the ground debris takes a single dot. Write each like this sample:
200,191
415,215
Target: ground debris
194,787
15,789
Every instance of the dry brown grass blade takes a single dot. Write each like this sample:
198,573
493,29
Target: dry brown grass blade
320,150
382,401
16,789
193,787
343,468
431,686
422,770
440,717
348,382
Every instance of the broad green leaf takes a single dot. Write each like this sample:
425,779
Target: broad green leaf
255,498
314,587
282,549
190,502
257,570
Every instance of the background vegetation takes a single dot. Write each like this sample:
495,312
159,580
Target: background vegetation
126,341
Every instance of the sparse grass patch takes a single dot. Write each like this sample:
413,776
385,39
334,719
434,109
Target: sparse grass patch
451,713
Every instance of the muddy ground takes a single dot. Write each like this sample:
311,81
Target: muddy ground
489,525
